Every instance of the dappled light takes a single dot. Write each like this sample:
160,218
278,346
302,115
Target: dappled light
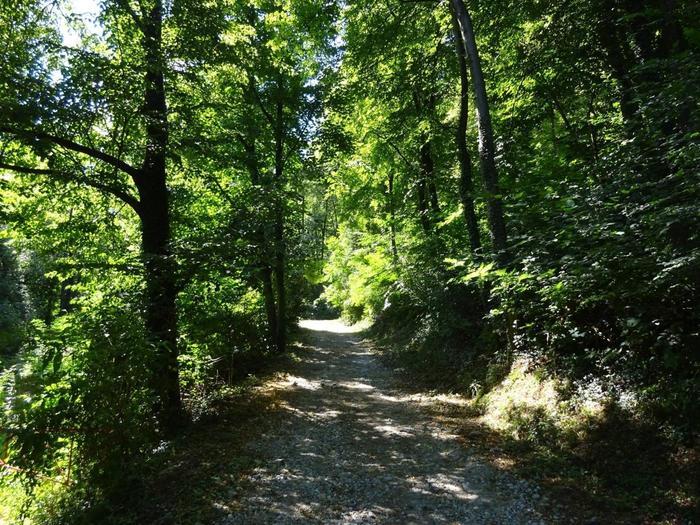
348,446
349,261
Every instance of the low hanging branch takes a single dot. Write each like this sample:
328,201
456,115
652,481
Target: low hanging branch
120,193
73,146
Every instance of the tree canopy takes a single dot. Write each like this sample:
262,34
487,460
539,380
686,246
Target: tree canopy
181,181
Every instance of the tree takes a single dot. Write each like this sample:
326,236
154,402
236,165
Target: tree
487,147
23,121
272,99
466,184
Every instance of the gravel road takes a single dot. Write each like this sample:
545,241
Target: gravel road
348,446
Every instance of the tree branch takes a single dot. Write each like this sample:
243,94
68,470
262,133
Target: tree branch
74,146
119,193
135,17
393,146
254,90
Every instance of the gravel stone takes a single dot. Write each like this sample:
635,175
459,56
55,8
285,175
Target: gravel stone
349,447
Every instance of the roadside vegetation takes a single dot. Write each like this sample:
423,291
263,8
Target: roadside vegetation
509,191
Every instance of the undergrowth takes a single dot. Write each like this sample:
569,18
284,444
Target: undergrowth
596,452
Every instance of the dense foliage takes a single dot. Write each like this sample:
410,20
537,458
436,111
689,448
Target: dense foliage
490,181
153,158
595,111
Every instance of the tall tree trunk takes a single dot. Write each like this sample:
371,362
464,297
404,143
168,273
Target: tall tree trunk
609,37
280,248
159,264
323,229
466,183
269,298
265,268
392,217
428,170
487,149
428,206
422,205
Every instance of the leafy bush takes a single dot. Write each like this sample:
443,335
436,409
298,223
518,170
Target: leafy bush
12,306
78,408
223,339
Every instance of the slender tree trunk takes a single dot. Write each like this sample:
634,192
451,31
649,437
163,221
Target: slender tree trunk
265,269
323,229
66,295
591,130
428,164
269,298
392,217
487,149
422,204
428,169
609,36
466,184
426,190
280,263
265,275
159,264
280,248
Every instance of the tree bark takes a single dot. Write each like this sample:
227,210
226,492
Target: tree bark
159,264
422,204
487,149
323,230
609,36
269,298
265,270
466,183
67,294
428,170
280,248
428,202
392,217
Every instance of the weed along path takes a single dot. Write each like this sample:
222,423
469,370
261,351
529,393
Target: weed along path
347,446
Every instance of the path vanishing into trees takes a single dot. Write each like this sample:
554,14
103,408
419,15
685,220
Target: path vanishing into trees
349,446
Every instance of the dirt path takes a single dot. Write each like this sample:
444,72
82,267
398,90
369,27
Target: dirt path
349,447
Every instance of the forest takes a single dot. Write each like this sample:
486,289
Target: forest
504,196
